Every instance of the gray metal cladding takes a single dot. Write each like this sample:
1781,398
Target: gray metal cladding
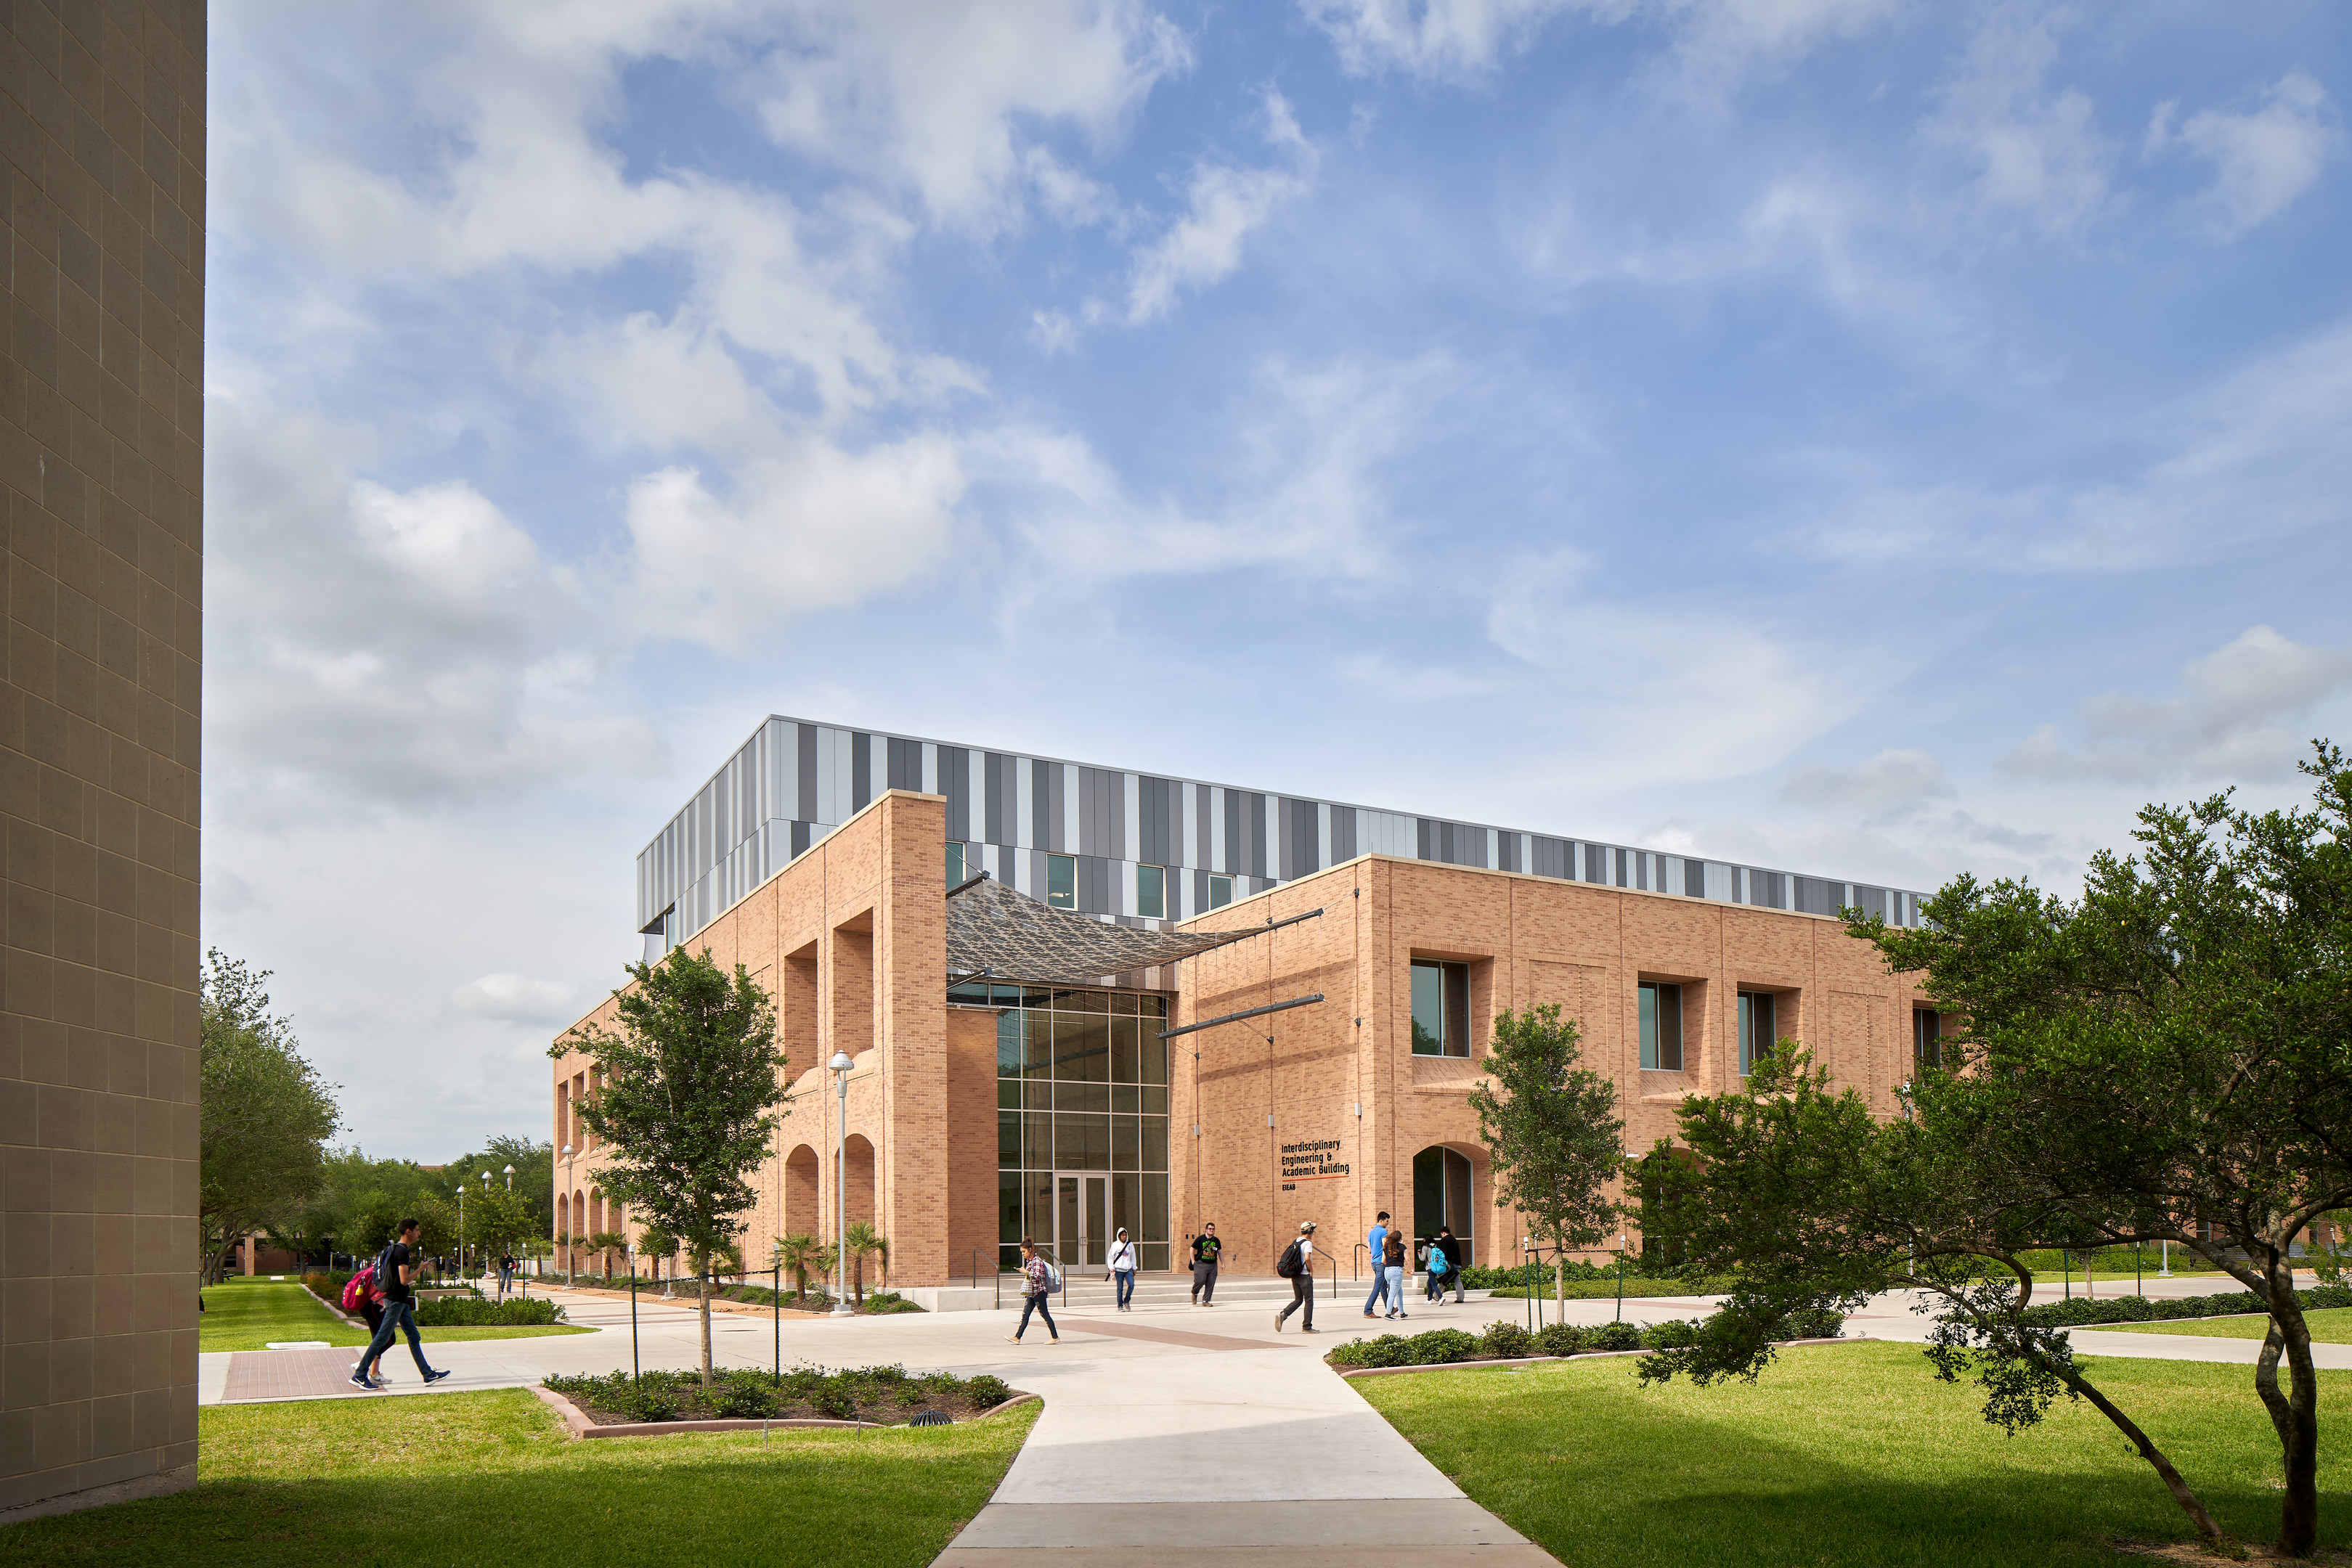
793,781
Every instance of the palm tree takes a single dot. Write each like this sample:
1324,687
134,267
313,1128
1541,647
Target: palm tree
656,1243
607,1242
798,1253
858,1240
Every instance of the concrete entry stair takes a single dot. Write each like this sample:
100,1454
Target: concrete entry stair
1232,1455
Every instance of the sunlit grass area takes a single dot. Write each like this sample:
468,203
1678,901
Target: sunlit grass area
2330,1325
247,1314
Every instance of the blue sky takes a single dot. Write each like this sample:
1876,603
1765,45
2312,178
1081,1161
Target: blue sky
1870,437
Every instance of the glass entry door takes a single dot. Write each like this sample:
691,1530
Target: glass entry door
1081,1218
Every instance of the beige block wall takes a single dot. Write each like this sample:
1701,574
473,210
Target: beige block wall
1344,1071
102,442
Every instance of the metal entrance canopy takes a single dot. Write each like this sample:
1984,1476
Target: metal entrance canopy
1003,934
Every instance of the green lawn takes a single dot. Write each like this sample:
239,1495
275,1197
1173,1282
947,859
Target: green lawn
1850,1455
246,1314
490,1477
2330,1325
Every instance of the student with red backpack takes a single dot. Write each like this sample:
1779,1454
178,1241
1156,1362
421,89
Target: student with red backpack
362,1295
395,1267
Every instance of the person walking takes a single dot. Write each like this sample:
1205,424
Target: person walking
1452,1245
1037,1285
1439,1265
505,1274
396,1275
1393,1261
1298,1265
1377,1241
1206,1251
1122,1268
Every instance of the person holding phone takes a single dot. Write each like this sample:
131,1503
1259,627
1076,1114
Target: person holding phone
1122,1268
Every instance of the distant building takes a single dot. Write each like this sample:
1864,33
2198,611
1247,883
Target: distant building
1019,954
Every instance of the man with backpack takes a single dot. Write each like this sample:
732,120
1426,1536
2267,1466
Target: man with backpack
395,1273
1298,1266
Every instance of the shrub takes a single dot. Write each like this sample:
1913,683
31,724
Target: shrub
1562,1339
1438,1347
449,1311
1812,1323
1671,1334
1507,1341
987,1392
2083,1311
885,1301
744,1398
1615,1336
835,1397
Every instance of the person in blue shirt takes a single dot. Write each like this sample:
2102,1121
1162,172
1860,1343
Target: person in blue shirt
1379,1240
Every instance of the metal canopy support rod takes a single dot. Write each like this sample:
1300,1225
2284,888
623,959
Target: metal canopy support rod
1236,1018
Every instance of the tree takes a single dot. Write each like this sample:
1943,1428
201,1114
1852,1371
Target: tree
1793,1188
797,1253
2169,1059
687,1085
266,1113
1552,1131
496,1220
863,1240
604,1243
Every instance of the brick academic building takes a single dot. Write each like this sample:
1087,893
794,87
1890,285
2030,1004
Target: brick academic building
1006,945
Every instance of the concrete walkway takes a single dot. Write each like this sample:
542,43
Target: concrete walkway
1169,1429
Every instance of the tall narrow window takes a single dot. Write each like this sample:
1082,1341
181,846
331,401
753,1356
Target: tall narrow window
955,862
1926,1038
1441,1009
1661,1026
1220,892
1756,1029
1061,881
1151,892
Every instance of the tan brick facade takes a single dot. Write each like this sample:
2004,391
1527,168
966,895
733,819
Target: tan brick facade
101,454
850,938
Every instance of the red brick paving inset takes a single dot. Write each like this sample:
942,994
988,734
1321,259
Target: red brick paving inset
290,1374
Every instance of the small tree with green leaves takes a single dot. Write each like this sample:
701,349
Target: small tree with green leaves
687,1084
864,1241
604,1243
1553,1130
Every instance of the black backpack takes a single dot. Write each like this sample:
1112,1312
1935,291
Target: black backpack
1289,1267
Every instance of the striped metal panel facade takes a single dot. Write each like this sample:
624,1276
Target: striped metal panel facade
795,782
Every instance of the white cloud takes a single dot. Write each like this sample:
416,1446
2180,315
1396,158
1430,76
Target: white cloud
2264,453
1675,690
1223,206
811,526
2262,159
2227,723
946,99
516,999
1460,38
369,646
2036,153
1889,781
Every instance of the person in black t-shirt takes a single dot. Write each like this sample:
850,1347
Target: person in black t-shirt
1205,1248
397,1275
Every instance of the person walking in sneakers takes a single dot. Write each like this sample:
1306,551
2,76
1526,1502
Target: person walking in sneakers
1037,1277
396,1277
1298,1265
1122,1268
1376,1241
1393,1261
1205,1248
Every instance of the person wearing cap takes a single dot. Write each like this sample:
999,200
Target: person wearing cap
1122,1268
1302,1283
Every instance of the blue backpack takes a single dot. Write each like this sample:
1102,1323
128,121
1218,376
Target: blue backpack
1438,1263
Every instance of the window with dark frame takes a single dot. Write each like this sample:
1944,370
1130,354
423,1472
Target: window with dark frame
1220,892
1061,881
1440,1008
1661,1026
1926,1038
956,872
1757,1031
1151,892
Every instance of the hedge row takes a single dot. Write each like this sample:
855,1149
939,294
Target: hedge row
883,1393
2085,1310
1509,1341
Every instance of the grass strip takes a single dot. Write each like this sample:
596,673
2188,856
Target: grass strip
246,1314
2331,1325
1849,1456
492,1476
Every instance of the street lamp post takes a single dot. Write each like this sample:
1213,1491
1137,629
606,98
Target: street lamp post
1621,1276
461,1231
568,1249
840,1065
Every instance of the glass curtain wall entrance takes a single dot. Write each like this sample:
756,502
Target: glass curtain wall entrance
1081,1121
